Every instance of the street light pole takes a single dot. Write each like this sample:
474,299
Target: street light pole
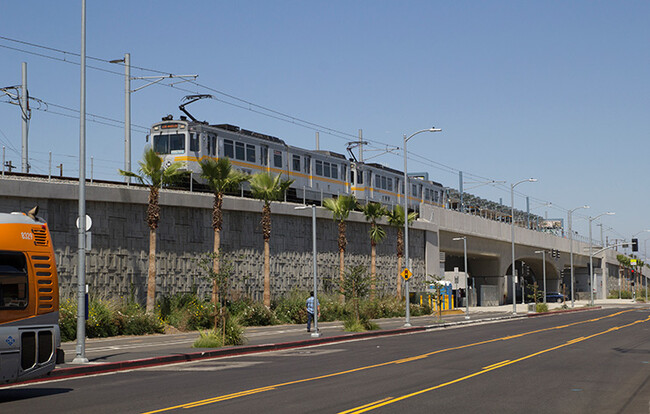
512,238
407,323
591,257
464,239
543,252
571,250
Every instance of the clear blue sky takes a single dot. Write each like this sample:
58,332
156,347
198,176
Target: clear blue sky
555,90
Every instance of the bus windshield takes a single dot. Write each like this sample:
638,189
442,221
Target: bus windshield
13,280
169,143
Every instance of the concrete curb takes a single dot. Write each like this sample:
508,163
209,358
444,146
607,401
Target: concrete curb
78,371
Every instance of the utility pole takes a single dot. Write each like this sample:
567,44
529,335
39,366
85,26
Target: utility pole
25,115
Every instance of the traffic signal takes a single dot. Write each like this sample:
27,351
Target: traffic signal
635,245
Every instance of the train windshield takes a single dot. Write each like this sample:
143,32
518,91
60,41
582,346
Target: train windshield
169,143
13,280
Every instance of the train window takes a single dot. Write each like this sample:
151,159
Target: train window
335,171
319,167
390,184
326,169
296,162
369,177
194,142
250,153
228,148
239,150
352,174
414,190
177,143
344,172
360,177
277,158
383,182
13,280
265,156
161,144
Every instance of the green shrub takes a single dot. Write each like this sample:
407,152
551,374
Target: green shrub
292,308
351,324
68,319
100,323
625,294
256,314
107,318
541,307
208,339
233,335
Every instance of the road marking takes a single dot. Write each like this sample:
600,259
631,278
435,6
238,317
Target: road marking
204,366
382,364
372,404
489,368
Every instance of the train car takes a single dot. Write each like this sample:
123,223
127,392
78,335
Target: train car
316,174
378,183
30,339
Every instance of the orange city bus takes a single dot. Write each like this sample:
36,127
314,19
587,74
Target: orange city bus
29,299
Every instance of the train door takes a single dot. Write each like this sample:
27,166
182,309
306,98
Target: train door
264,157
307,170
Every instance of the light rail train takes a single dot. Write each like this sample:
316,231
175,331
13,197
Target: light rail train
316,173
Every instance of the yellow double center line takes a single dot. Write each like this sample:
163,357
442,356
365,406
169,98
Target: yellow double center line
390,400
386,401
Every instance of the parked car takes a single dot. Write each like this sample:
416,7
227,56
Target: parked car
556,297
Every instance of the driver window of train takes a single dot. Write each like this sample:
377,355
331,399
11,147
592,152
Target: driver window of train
177,143
161,144
360,177
13,280
296,162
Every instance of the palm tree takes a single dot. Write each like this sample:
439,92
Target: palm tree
268,188
221,177
396,219
373,212
341,208
153,175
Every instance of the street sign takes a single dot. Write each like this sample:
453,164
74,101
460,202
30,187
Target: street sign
633,262
406,274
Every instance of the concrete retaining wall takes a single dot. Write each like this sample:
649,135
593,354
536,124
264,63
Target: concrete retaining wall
117,263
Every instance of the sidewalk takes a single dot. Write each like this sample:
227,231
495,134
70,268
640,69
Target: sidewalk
119,353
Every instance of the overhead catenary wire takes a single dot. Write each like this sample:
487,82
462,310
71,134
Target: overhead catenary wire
241,104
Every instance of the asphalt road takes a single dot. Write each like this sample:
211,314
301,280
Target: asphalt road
596,361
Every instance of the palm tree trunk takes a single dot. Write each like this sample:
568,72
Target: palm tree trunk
341,274
266,232
373,270
342,244
215,268
267,275
399,277
151,280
